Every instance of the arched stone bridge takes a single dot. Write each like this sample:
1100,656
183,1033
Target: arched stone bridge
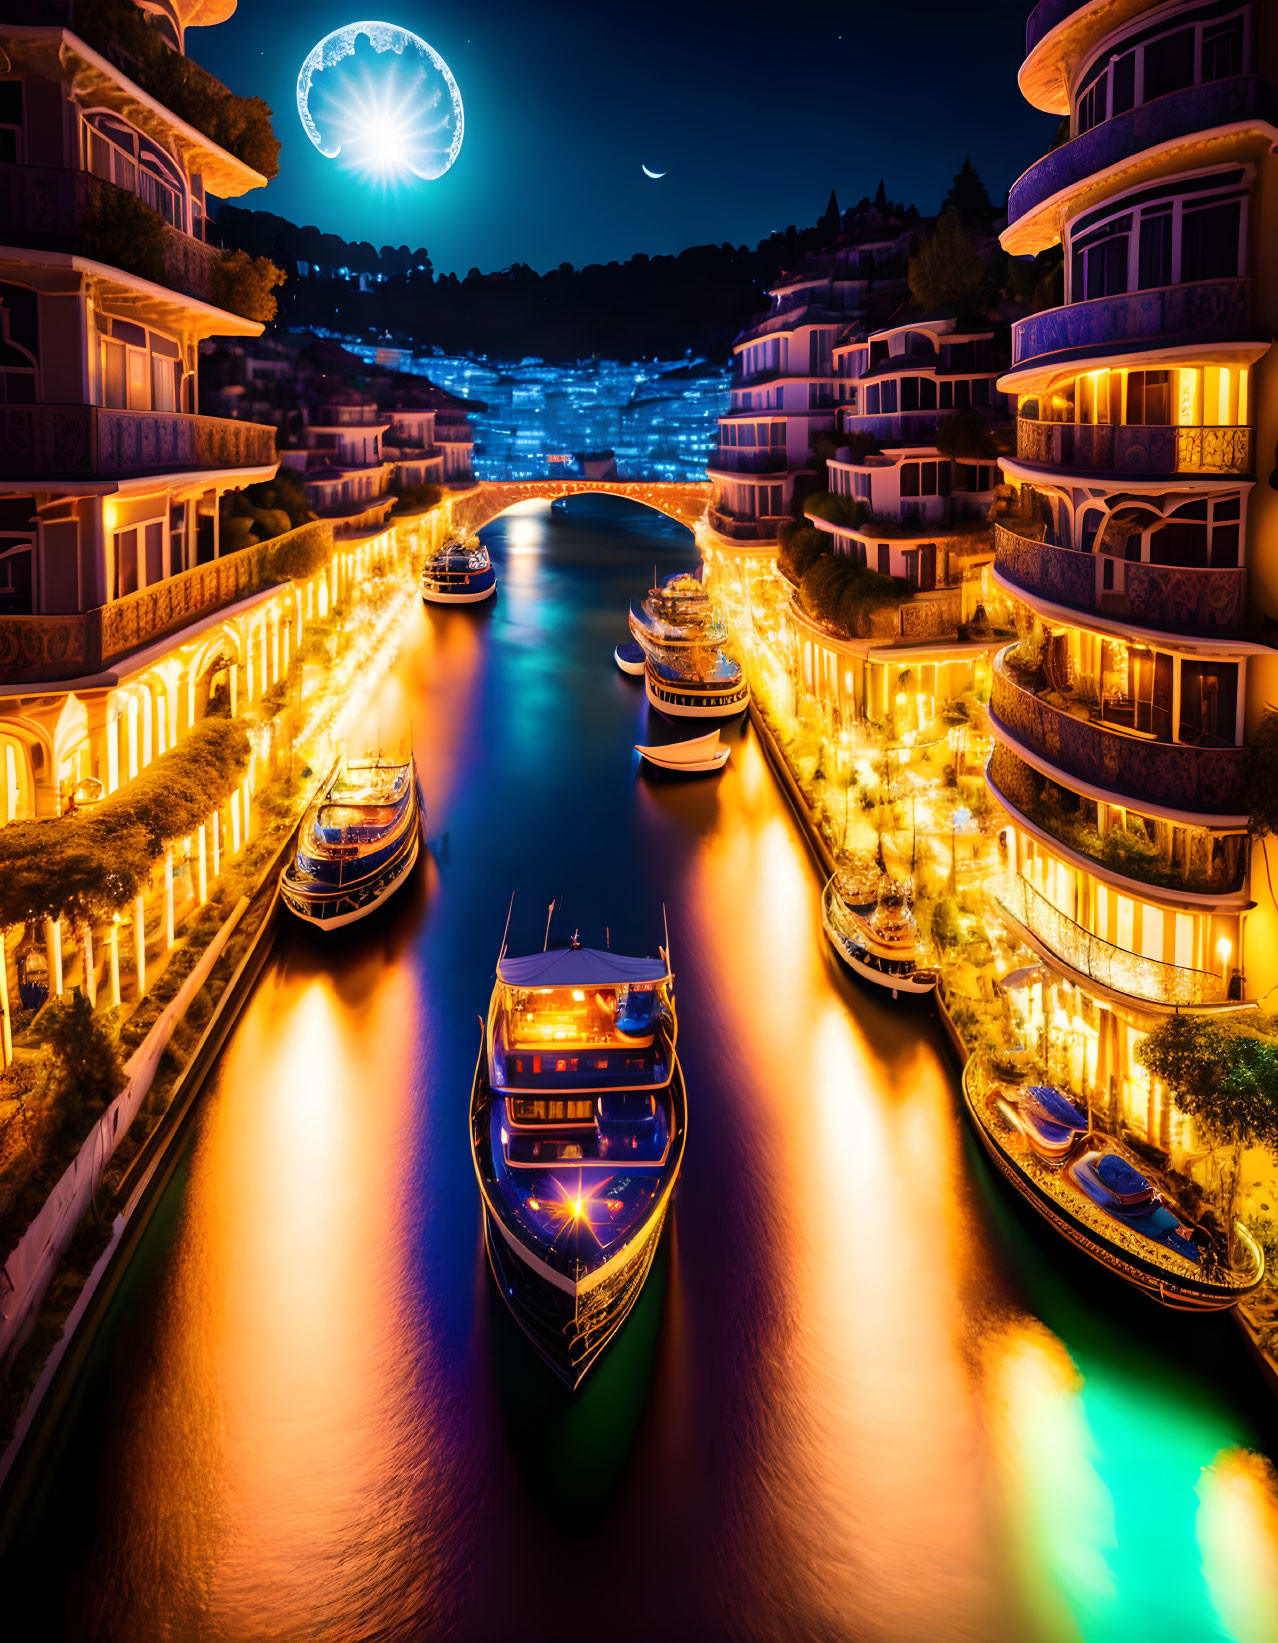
474,509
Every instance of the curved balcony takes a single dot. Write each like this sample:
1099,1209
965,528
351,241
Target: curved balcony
1194,111
1167,598
1047,15
1197,781
739,529
91,442
1211,309
44,209
1153,981
736,459
1122,448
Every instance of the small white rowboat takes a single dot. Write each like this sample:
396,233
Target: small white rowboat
699,754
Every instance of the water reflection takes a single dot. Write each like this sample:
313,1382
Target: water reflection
862,1396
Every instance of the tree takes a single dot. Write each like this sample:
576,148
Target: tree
1224,1075
1260,776
828,225
968,197
948,271
86,1055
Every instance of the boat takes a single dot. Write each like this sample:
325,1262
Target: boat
688,674
878,941
693,757
357,844
1093,1192
578,1119
688,686
630,657
459,573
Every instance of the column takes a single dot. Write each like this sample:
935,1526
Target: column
139,942
235,822
6,1026
90,981
168,898
53,953
202,864
215,827
113,957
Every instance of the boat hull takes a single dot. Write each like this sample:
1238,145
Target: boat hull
1182,1291
473,591
334,908
915,983
692,702
688,767
569,1321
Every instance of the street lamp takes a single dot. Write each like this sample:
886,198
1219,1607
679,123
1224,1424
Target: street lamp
1224,947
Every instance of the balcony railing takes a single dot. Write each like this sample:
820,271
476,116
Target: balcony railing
1101,961
1197,780
1214,308
1168,119
42,209
745,530
739,460
89,441
1171,598
1102,447
41,648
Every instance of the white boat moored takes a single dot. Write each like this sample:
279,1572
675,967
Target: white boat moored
692,757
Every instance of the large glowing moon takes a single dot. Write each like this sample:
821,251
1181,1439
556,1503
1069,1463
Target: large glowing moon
405,120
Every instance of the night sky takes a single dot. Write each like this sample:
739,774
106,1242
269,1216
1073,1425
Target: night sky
754,110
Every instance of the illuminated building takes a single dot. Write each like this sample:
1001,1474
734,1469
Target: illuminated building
1141,556
345,472
109,482
784,390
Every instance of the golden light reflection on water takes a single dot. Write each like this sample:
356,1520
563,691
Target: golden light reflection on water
270,1478
873,1476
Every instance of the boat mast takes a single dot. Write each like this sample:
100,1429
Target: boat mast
506,931
549,911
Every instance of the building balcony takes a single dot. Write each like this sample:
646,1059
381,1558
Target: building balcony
36,649
1177,117
1165,598
1212,309
1208,865
1121,766
1046,16
43,209
1150,980
735,459
91,442
1122,448
739,529
893,427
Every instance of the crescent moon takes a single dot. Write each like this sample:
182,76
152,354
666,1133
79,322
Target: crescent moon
653,174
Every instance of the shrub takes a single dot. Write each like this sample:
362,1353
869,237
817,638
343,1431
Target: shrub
124,231
237,533
86,1056
299,555
417,499
245,285
964,437
845,595
837,510
800,546
948,270
286,494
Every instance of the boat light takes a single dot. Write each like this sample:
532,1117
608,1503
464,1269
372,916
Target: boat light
578,995
576,1209
504,1137
534,1203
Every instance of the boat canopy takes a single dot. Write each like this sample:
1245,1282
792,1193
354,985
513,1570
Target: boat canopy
579,967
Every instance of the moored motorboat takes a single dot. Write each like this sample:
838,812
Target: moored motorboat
1103,1203
578,1120
694,757
879,941
356,845
630,657
459,573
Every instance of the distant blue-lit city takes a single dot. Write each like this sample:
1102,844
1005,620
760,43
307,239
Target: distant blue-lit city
657,418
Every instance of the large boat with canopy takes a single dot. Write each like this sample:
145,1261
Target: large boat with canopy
357,844
1099,1195
578,1118
688,671
459,573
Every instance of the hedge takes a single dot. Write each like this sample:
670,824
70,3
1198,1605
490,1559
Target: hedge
91,863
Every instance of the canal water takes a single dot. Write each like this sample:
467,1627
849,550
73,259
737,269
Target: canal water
865,1395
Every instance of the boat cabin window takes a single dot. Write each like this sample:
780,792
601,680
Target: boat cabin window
356,815
539,1017
552,1112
